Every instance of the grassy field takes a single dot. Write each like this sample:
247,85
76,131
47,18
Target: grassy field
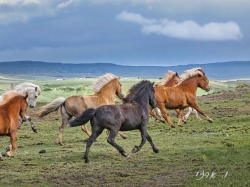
198,154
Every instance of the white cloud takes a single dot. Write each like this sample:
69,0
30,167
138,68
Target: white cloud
67,3
189,30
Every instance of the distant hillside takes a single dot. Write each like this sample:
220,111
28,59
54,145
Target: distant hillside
214,71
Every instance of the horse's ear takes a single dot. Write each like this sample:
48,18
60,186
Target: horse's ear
36,89
176,74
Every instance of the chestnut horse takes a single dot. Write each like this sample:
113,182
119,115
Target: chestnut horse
182,95
132,114
169,79
13,104
106,88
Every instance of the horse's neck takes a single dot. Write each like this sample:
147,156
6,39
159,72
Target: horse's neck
170,83
107,93
191,84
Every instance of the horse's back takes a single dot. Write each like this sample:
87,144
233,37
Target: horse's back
76,104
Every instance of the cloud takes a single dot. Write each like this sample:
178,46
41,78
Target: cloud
66,3
189,29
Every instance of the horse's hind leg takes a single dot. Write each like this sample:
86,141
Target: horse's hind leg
152,144
111,140
13,139
65,119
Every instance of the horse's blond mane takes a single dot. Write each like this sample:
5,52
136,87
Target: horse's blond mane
102,81
190,73
167,77
8,95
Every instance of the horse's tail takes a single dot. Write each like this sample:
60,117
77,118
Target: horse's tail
51,107
84,118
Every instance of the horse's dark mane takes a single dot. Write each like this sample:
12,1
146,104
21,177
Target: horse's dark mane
134,91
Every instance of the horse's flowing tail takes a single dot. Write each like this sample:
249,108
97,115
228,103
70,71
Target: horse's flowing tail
84,118
51,107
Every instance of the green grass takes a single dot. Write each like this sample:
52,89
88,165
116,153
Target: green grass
198,154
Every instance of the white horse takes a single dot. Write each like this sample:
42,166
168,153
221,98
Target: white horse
30,89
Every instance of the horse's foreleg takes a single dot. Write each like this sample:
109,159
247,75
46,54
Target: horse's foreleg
152,144
143,139
202,113
111,140
33,127
165,115
156,116
124,136
96,132
188,113
196,114
85,129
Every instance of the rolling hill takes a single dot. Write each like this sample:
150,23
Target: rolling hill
215,71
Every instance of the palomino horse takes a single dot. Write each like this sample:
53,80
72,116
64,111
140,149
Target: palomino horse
106,88
30,89
169,79
12,106
182,95
132,114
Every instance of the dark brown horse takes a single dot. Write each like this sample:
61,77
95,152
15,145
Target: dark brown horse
132,114
12,105
106,88
182,95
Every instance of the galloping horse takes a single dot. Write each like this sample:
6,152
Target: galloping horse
182,95
30,89
10,109
132,114
169,79
27,88
106,88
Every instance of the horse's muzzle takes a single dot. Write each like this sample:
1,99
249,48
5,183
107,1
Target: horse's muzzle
31,106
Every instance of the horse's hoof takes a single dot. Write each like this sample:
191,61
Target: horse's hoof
124,137
34,130
86,160
156,150
135,150
210,121
172,126
61,144
123,153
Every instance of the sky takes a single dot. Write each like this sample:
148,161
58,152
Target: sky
125,32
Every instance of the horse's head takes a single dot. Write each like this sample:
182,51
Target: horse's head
23,109
32,97
152,100
118,91
170,79
203,82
